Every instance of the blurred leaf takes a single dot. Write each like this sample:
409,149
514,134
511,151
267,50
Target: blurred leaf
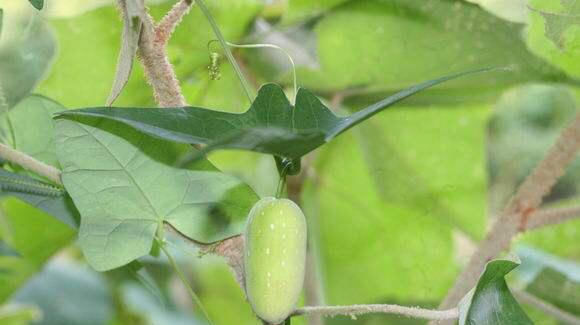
35,235
550,278
125,188
304,9
32,113
68,294
131,13
431,160
38,4
271,125
491,302
219,291
144,303
515,10
6,250
385,249
44,196
98,34
24,57
379,46
554,33
18,314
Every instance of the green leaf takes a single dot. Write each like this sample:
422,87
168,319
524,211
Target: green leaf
131,13
35,235
38,4
6,250
33,112
19,314
554,33
125,189
25,56
367,239
379,46
271,125
491,302
551,278
62,285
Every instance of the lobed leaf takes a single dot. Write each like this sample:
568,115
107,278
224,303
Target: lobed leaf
271,125
125,189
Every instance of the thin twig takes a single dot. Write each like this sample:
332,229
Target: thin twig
546,307
30,163
354,310
547,217
523,204
168,23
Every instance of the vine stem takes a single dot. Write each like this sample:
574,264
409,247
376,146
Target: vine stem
26,161
224,43
519,210
552,216
183,279
355,310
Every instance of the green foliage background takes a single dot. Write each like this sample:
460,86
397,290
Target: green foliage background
394,206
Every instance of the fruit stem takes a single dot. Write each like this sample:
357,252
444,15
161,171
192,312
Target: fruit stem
181,276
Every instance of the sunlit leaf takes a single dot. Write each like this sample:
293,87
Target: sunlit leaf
554,33
35,235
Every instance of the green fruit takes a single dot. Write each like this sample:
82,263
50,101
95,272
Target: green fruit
274,257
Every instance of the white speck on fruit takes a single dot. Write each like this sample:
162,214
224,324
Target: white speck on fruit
284,224
267,251
284,236
283,263
272,226
269,274
280,212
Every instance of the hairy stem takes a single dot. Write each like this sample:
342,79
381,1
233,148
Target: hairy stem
523,204
153,55
30,163
355,310
547,217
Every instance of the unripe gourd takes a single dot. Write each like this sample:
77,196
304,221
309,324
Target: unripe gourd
274,257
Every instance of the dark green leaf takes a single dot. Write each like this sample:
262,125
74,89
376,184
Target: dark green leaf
47,197
38,4
491,302
271,125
